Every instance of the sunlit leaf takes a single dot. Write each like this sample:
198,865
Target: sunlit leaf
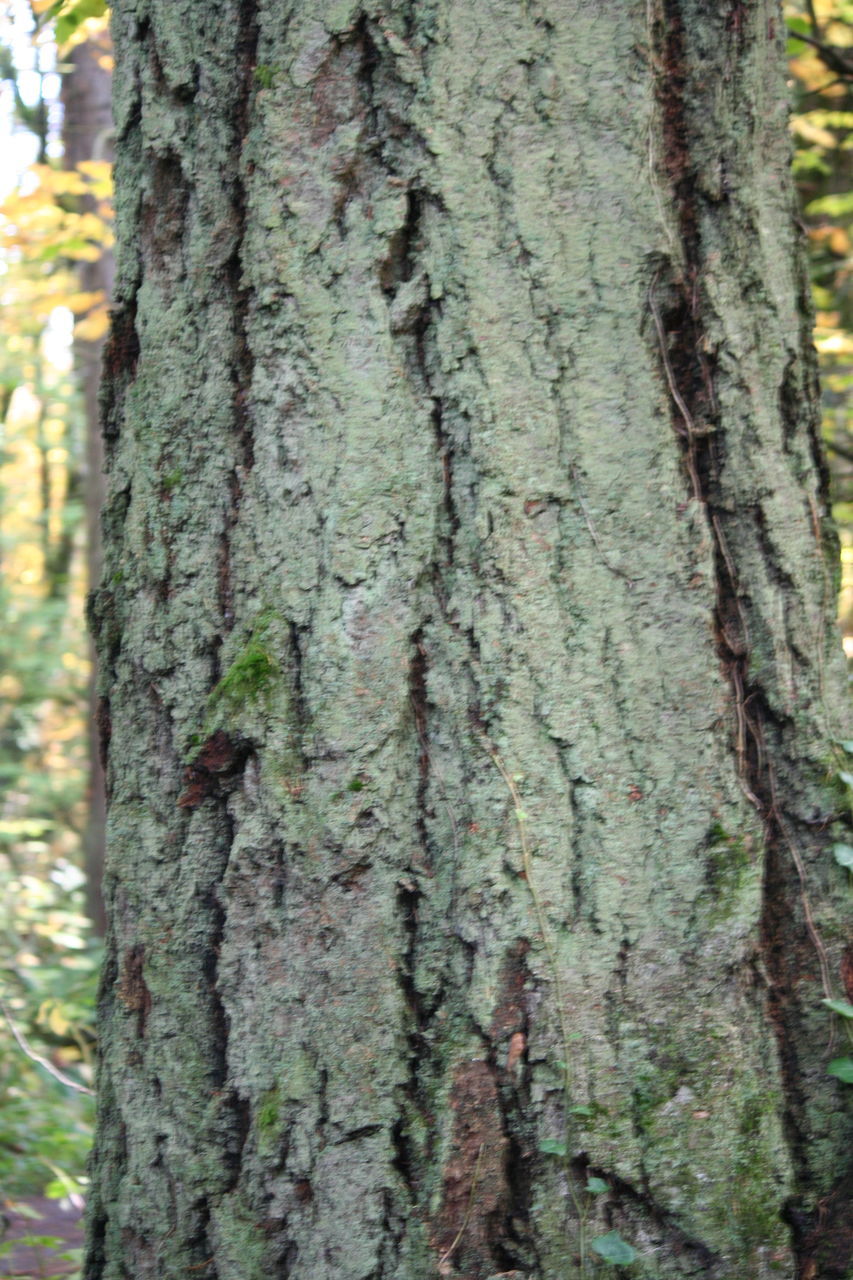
842,1007
837,205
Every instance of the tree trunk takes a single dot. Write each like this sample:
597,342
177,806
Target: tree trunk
87,135
469,687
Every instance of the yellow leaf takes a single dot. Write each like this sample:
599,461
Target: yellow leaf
95,168
84,301
94,327
84,253
57,1022
839,241
812,132
836,344
60,182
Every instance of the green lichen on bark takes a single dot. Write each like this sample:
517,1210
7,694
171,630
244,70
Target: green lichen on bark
410,313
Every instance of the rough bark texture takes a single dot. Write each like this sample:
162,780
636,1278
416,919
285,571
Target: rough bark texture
468,688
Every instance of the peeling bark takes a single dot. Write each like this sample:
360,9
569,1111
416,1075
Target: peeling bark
460,412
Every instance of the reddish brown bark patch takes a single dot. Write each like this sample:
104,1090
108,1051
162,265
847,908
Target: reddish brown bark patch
132,988
121,350
476,1196
219,758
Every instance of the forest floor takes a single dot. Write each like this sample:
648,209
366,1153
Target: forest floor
57,1221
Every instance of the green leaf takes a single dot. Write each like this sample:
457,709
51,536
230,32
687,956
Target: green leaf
596,1185
843,855
846,746
846,777
842,1068
552,1147
73,15
835,206
612,1248
842,1007
582,1111
22,1210
39,1242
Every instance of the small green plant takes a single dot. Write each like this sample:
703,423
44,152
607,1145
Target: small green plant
612,1248
46,1245
842,1068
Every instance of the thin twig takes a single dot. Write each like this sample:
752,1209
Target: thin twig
689,431
810,9
608,563
830,55
457,1239
38,1059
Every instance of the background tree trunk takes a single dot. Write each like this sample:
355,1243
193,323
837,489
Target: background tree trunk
465,651
87,135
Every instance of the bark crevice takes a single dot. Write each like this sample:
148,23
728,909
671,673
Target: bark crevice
679,300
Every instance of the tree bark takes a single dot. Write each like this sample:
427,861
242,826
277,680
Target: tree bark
471,700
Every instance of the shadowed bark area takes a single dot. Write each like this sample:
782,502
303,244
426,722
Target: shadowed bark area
469,693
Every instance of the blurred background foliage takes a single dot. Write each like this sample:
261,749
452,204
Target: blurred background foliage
54,225
54,220
821,66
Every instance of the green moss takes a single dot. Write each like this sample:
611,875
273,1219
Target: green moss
730,865
268,1115
265,76
241,1248
172,479
729,859
251,672
248,680
247,676
654,1086
754,1207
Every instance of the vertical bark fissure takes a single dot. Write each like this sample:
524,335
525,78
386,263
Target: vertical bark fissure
242,363
121,354
235,1124
677,300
